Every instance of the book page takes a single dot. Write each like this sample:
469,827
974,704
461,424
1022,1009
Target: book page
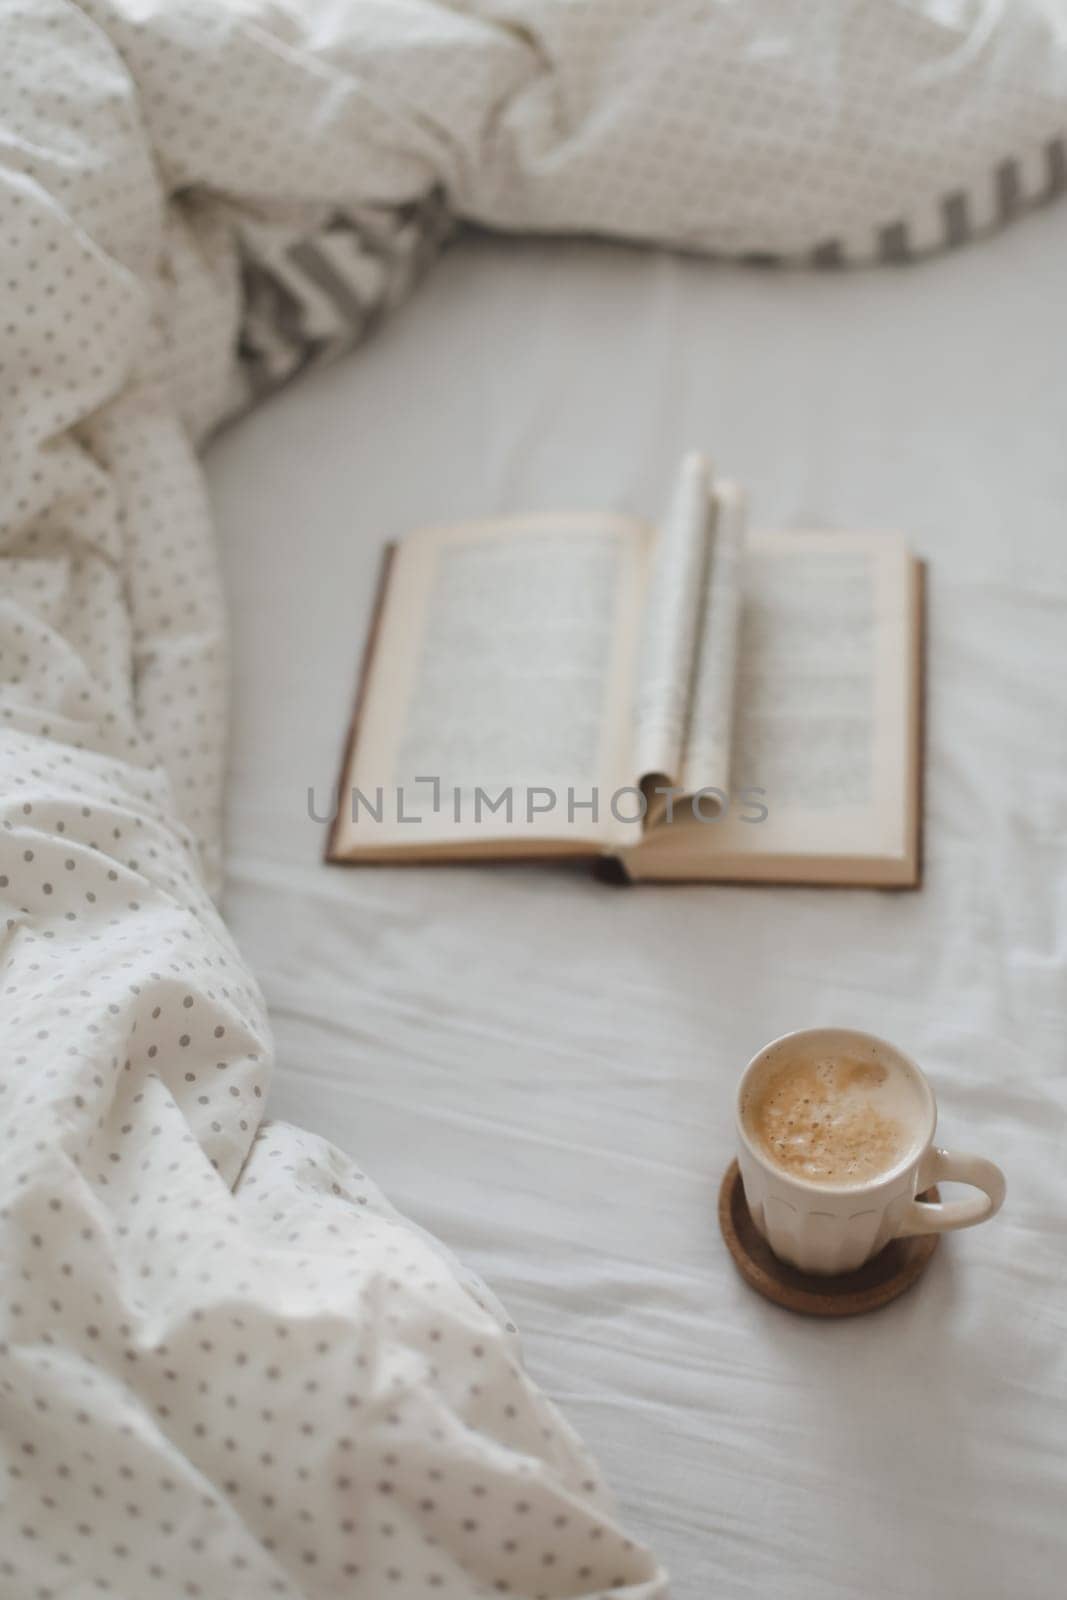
673,608
709,729
824,750
806,680
500,689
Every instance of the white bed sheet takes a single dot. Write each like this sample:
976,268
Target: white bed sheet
539,1067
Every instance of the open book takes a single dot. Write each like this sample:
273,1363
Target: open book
691,701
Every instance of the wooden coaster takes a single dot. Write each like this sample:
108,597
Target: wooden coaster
878,1281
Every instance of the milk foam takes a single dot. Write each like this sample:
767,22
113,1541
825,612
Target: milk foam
836,1119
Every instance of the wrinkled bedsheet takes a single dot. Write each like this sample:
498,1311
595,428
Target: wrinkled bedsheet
570,1050
227,1365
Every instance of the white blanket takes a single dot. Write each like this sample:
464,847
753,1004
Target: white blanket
227,1365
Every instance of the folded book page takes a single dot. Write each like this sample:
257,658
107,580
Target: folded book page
670,632
705,768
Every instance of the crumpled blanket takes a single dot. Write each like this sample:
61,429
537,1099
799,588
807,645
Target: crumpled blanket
227,1366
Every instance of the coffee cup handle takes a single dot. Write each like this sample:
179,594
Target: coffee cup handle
929,1216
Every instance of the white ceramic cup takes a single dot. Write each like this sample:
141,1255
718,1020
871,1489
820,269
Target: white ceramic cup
826,1228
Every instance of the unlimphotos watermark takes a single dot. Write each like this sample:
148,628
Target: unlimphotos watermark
411,803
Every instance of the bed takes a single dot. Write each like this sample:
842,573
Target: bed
538,1067
228,1363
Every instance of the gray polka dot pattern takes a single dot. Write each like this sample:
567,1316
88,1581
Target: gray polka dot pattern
226,1365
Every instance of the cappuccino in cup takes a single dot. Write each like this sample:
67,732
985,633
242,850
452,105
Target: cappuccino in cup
835,1142
837,1118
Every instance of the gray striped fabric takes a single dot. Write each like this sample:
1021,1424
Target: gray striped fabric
310,297
958,209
